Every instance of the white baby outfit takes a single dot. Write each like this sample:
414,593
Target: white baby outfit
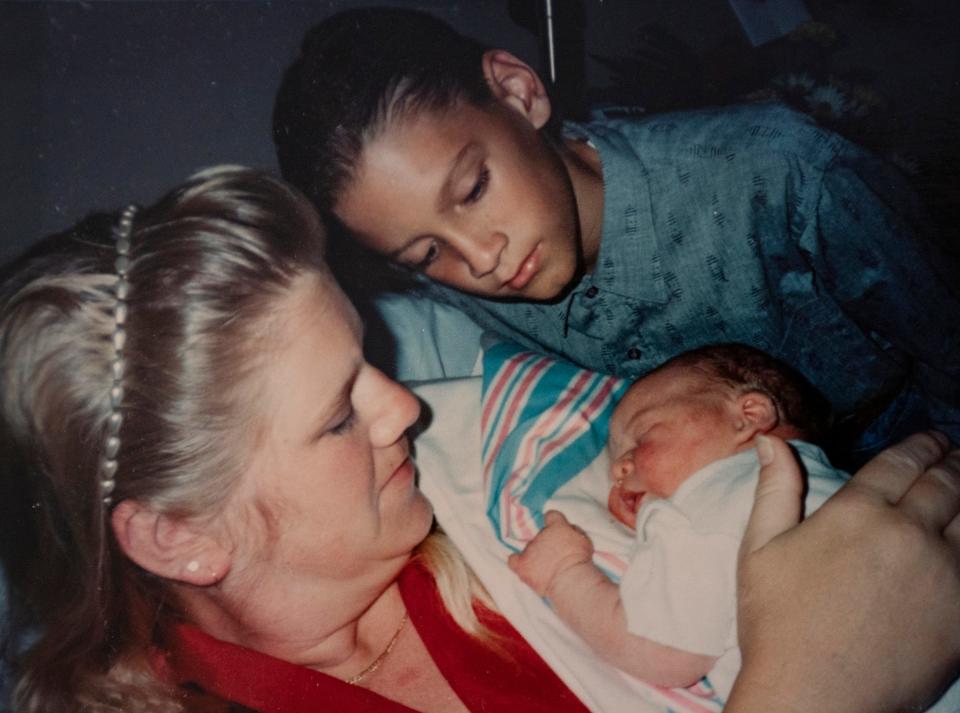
679,588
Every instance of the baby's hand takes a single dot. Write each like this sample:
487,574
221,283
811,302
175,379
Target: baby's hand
556,548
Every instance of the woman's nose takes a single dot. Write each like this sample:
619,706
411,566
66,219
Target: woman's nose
482,253
397,410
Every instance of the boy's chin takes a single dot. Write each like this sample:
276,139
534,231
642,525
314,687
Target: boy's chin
552,289
531,293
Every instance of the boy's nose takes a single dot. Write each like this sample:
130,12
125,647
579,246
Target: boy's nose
482,254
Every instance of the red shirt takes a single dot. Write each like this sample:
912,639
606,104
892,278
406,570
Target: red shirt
219,674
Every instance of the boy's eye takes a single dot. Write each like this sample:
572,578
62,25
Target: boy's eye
423,263
479,187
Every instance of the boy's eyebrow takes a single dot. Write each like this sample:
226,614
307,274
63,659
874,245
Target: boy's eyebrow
457,167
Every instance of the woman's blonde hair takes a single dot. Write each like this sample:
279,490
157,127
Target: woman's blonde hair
208,263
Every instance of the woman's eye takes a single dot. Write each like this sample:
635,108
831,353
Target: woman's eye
345,425
423,263
479,187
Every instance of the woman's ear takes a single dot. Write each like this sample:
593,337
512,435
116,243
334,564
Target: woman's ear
170,547
755,414
514,83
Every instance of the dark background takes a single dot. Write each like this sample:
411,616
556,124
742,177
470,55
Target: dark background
104,103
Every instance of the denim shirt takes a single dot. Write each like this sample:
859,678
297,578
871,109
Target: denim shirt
749,224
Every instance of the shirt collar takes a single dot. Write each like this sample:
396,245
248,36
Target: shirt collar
256,680
627,263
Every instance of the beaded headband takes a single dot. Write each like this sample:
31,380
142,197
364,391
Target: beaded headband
111,445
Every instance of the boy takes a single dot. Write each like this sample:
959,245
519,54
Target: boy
624,242
684,471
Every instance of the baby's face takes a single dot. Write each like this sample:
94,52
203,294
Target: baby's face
667,426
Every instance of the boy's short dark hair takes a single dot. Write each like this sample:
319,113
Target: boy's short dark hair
745,369
357,69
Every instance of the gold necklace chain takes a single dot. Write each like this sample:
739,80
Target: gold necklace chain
353,680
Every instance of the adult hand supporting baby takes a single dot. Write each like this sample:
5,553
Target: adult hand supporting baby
857,608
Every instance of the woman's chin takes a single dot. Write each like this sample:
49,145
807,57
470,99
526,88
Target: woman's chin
418,518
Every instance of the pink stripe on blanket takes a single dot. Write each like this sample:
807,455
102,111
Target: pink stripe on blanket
688,701
517,518
502,379
545,423
521,525
615,563
519,522
517,400
596,404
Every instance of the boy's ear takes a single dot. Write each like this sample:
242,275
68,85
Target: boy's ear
170,547
756,414
515,83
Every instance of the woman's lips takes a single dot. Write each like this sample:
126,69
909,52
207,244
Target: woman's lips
528,268
403,473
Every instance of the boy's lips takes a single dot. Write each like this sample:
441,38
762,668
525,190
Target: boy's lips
528,268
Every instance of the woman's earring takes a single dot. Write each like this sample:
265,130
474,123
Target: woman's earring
193,566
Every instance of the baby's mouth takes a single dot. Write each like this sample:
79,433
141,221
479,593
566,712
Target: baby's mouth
631,500
623,504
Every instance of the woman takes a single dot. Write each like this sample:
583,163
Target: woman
224,504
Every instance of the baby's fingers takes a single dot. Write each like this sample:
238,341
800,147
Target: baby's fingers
554,517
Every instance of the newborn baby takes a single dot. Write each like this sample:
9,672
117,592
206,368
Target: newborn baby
683,473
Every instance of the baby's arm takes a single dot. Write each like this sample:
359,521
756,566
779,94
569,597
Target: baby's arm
557,564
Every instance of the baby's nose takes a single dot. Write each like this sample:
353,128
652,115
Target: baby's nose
622,468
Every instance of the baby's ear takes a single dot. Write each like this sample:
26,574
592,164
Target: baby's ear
516,84
755,414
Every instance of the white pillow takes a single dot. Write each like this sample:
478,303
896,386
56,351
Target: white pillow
431,340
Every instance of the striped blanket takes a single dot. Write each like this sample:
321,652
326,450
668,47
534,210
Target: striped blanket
543,421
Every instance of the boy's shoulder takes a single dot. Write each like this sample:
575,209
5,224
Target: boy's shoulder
715,132
760,118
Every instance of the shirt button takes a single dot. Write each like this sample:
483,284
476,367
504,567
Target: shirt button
633,353
592,291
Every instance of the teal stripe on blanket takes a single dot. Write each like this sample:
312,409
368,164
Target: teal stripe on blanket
544,422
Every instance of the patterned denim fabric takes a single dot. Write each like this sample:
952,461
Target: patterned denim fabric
752,224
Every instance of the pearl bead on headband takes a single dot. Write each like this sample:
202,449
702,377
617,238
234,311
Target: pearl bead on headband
111,445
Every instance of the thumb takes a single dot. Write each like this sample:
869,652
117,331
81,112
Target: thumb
778,499
554,517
